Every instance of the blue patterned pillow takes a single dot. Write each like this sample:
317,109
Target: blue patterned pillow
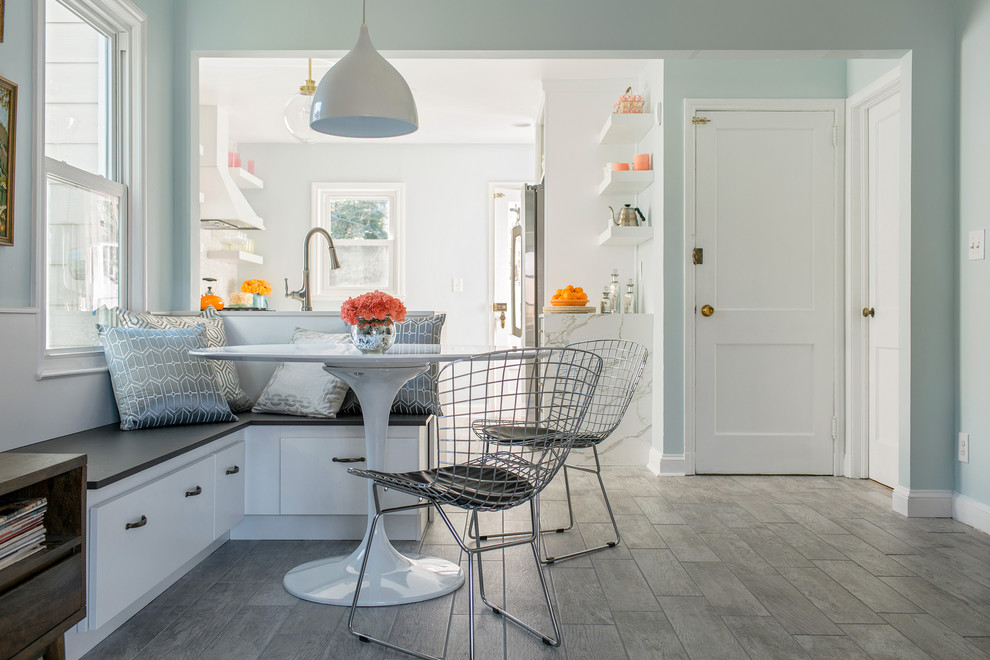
155,380
223,370
418,396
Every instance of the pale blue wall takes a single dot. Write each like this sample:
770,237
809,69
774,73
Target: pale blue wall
16,54
162,218
729,79
860,73
926,27
973,479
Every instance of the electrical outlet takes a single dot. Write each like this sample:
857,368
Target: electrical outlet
964,447
976,248
457,285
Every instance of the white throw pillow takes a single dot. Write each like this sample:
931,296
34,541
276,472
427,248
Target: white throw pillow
304,388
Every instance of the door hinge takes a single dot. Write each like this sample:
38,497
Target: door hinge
498,195
835,428
698,256
700,120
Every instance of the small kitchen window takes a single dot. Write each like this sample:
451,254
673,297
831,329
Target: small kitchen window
365,221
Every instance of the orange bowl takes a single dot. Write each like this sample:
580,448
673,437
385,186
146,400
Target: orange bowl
568,303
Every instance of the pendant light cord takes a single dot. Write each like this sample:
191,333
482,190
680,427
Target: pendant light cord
364,6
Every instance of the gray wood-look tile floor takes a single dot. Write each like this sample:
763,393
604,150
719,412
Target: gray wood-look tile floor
708,567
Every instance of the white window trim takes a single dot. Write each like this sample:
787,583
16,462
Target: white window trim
129,24
397,191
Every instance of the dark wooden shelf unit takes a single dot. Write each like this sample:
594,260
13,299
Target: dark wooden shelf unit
44,594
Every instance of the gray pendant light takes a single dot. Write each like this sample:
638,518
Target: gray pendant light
363,96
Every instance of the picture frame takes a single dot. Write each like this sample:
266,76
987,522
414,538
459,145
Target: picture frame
8,135
1,19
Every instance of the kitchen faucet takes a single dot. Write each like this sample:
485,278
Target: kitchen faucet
302,294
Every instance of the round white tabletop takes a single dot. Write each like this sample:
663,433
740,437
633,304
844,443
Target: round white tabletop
392,578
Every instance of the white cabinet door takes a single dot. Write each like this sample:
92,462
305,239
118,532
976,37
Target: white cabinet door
230,479
314,483
142,536
314,477
765,357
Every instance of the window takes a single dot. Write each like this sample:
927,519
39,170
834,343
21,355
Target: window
91,174
365,221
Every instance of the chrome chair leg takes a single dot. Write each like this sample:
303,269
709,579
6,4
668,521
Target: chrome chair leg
547,559
608,507
534,544
364,637
570,508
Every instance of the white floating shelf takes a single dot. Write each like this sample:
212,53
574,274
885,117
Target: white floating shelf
625,182
626,128
616,236
239,256
244,179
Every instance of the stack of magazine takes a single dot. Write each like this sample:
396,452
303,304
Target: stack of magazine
22,528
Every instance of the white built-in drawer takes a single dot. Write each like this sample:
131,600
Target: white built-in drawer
171,519
314,483
314,477
229,489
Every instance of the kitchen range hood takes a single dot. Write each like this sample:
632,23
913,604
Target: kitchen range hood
222,204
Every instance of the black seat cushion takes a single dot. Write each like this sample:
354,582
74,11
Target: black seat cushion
468,486
512,433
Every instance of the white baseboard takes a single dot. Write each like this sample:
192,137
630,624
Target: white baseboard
407,526
970,511
665,465
671,465
922,503
653,461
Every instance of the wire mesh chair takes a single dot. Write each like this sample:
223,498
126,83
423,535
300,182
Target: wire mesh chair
623,364
506,424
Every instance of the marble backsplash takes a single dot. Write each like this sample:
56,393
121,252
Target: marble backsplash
630,443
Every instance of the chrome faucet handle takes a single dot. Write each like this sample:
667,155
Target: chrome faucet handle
295,295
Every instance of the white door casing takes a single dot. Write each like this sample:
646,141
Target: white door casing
764,191
883,191
506,204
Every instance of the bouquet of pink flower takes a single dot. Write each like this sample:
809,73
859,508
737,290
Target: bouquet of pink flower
375,308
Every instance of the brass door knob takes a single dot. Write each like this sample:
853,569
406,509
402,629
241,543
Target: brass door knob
868,311
707,310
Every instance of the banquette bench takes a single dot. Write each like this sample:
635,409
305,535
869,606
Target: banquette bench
160,500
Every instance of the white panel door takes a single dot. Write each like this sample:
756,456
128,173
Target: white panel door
884,128
765,358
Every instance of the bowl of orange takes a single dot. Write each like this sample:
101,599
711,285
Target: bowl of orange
569,296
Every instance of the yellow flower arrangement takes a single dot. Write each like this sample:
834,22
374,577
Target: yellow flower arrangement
260,287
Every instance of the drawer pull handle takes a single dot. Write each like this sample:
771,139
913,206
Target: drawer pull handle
140,523
359,459
192,493
233,470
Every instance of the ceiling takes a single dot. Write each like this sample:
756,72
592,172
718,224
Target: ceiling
461,101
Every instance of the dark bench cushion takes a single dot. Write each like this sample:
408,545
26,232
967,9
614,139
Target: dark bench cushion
114,454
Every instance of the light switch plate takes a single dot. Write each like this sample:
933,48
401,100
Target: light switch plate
976,248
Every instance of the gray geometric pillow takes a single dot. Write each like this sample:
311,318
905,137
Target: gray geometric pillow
223,370
155,380
418,396
304,388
